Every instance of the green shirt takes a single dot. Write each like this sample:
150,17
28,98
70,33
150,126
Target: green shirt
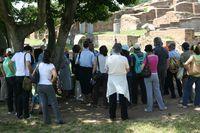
6,68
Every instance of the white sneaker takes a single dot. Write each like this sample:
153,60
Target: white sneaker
9,113
146,110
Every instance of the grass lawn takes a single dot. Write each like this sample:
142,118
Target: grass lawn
33,42
184,123
131,32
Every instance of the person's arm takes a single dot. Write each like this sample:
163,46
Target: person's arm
54,75
187,63
28,62
127,66
106,66
94,64
2,70
11,66
144,63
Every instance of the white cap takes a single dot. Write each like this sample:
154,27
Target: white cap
9,50
137,46
125,47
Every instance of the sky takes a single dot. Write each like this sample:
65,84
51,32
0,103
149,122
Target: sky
18,5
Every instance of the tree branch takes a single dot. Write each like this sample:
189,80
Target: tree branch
68,16
27,29
5,13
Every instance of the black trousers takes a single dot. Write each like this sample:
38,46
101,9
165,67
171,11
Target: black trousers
130,87
113,106
138,81
22,97
171,84
85,77
100,86
11,100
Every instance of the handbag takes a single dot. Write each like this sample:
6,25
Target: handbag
180,73
77,68
27,83
146,72
35,77
97,74
194,68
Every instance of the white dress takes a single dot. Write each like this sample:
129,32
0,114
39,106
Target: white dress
117,80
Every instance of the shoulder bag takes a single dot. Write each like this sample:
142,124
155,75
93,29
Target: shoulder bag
146,72
27,83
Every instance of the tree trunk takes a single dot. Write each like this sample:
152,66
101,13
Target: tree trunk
3,41
51,28
60,46
15,39
66,23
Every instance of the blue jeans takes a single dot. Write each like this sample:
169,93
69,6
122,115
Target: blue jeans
187,90
153,90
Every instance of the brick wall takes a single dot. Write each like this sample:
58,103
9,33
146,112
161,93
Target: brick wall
101,26
196,7
146,16
162,11
190,23
129,22
184,7
108,40
171,17
177,35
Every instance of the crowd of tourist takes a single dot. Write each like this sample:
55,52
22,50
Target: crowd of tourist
121,76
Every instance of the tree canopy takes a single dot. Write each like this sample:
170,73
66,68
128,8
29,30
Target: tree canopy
33,15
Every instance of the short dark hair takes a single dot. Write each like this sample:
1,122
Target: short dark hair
197,49
185,46
46,57
172,45
86,44
148,48
117,48
157,41
103,50
28,48
76,48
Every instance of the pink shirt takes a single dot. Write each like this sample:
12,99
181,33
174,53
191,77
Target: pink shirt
153,62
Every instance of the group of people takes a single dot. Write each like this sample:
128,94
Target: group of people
119,77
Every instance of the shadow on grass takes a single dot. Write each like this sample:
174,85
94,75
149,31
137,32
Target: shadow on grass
81,119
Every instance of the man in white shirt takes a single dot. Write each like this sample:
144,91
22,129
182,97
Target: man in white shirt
22,62
86,60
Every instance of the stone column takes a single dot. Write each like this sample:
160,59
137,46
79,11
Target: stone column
116,26
82,28
90,28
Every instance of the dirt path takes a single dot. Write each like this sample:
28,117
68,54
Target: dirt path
74,110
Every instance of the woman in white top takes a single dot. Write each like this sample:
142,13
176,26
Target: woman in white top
117,67
103,78
46,91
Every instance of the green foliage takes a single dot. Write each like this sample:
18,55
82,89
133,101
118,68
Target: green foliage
94,10
25,15
87,10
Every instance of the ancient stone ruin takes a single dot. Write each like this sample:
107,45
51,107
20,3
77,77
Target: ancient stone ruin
169,17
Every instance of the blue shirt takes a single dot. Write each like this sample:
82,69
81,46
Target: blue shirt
174,54
86,58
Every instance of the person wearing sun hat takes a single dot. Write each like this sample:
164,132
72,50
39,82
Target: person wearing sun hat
10,80
125,52
138,58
